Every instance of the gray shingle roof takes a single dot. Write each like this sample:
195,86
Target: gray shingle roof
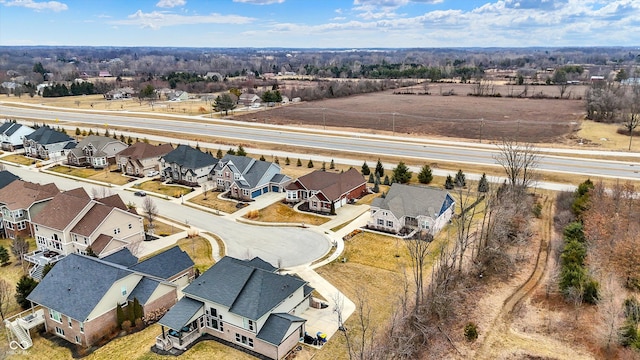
275,328
12,129
166,264
189,158
122,257
7,178
409,200
45,136
143,290
180,313
76,284
247,290
6,125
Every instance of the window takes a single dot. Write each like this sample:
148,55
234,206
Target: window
81,327
78,339
59,331
69,321
130,226
236,176
249,324
214,312
22,225
244,340
55,316
116,231
381,222
245,192
389,223
124,290
315,204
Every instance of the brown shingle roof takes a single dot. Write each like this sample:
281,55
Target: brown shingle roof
333,185
114,201
100,243
64,207
142,150
92,219
21,194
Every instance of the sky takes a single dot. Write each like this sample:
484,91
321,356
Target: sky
321,23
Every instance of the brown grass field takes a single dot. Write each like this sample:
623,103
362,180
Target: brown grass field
461,116
159,187
279,212
213,202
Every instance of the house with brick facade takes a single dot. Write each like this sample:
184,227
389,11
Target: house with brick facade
246,178
80,295
73,222
244,303
323,189
186,165
20,202
141,158
47,143
95,151
409,208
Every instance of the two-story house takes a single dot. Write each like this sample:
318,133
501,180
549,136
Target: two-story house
20,202
324,190
247,178
186,165
141,158
408,208
72,222
12,135
47,143
242,302
95,151
80,295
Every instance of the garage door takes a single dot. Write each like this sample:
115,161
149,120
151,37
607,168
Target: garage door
256,193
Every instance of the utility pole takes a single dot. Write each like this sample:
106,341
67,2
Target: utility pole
393,123
481,126
324,119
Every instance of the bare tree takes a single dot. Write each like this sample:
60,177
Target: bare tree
149,207
418,253
19,247
101,192
610,311
463,221
6,294
205,190
632,111
519,163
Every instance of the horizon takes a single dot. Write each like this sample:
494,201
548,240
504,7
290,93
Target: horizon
329,24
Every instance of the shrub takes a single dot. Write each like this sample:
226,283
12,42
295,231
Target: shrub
139,323
471,331
126,325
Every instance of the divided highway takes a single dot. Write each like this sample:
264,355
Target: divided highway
323,140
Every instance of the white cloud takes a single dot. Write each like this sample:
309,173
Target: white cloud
171,3
38,6
260,2
158,19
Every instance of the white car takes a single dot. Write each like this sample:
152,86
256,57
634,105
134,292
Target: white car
153,173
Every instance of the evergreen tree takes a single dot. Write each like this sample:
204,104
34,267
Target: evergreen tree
231,152
483,184
262,158
120,315
371,179
376,187
129,140
379,169
106,133
332,165
122,138
448,183
138,312
224,103
90,132
460,179
310,164
24,287
219,154
365,169
287,161
386,180
115,137
241,151
277,161
90,252
197,146
299,163
425,176
47,268
401,173
78,132
324,166
145,140
4,256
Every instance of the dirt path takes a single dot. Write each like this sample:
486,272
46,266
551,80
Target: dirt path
502,340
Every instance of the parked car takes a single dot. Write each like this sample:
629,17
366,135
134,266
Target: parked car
153,173
140,193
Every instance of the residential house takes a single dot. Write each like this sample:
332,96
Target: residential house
47,143
249,99
178,95
122,93
81,294
215,76
186,165
95,151
72,222
324,190
20,202
247,178
240,302
12,135
173,265
141,158
410,208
